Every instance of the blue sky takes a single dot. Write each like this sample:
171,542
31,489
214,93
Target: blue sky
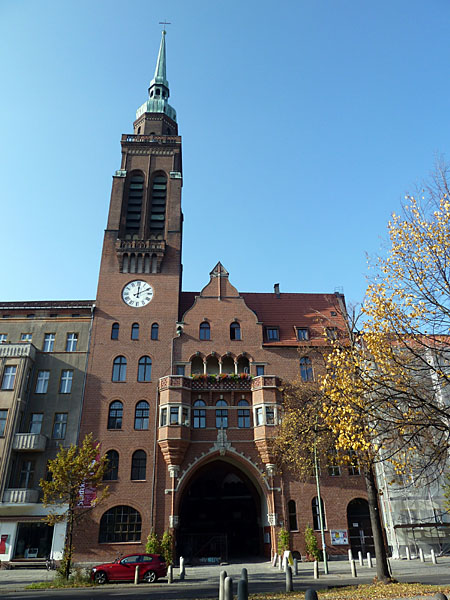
304,124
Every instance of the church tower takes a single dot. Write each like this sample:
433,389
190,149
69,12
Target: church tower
136,309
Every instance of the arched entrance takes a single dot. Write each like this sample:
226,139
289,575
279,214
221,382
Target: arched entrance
219,515
359,527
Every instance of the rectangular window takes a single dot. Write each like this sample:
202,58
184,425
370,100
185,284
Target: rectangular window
26,474
180,369
259,415
259,370
334,470
49,342
9,376
302,334
65,385
270,415
59,426
243,418
26,337
174,415
36,422
199,418
163,420
332,333
42,382
3,417
222,418
3,337
185,417
353,468
272,334
71,342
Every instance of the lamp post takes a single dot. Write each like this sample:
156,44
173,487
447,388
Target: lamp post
319,502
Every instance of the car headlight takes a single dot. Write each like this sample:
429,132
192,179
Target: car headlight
93,570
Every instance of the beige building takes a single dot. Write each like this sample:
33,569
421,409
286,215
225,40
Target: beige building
43,353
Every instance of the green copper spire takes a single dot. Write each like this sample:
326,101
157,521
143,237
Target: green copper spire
158,92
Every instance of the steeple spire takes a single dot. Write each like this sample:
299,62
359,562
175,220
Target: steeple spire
158,92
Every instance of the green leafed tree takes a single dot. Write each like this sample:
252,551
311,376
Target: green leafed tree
76,481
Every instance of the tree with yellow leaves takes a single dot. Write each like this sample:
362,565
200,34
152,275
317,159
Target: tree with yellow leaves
74,472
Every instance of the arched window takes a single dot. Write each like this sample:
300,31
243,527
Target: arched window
235,331
205,331
315,513
115,415
115,331
221,415
243,415
141,415
199,421
119,372
145,369
155,331
138,465
120,524
306,370
197,365
158,210
112,467
134,205
243,365
135,331
292,512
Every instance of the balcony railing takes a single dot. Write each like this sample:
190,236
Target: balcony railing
20,496
17,350
30,442
149,139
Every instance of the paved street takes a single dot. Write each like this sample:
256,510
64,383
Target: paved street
202,582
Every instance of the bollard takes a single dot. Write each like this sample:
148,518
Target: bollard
222,577
369,560
228,589
280,565
433,557
360,558
136,575
350,555
316,570
289,583
170,574
244,574
421,556
311,594
408,553
275,560
353,568
242,589
295,566
182,569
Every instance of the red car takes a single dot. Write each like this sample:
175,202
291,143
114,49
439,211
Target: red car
151,568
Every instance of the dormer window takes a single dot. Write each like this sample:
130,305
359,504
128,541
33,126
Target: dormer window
302,334
272,334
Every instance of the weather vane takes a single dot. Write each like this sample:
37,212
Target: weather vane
165,23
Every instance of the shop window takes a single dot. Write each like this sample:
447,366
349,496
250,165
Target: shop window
120,524
34,540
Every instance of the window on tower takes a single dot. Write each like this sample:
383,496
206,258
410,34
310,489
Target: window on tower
134,204
155,331
135,331
119,369
158,210
115,331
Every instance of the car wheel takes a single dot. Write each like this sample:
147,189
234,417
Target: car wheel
150,577
100,577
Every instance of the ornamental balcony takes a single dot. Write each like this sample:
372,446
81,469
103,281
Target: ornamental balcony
22,350
151,139
29,442
223,381
20,496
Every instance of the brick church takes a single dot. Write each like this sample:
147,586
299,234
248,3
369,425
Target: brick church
181,388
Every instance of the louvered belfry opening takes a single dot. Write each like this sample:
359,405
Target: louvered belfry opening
134,205
158,210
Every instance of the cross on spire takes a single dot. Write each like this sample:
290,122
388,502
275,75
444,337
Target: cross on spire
165,23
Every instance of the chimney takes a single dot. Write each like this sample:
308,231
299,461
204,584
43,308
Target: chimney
276,289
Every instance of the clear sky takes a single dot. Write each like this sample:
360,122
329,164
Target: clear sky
304,123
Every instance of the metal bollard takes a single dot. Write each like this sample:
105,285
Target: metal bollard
222,576
182,569
228,589
433,557
275,560
295,566
353,568
369,560
360,558
408,553
136,575
316,570
289,582
280,564
350,555
170,574
421,556
242,589
244,574
311,594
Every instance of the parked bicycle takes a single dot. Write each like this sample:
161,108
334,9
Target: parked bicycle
50,564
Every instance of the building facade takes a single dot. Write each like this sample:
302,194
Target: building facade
43,354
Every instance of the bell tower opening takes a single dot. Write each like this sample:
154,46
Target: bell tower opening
220,515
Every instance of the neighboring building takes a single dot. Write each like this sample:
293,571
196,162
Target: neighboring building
43,354
183,388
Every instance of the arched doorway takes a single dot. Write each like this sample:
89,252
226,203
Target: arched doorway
359,527
219,515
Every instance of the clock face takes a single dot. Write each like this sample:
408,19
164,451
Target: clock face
137,293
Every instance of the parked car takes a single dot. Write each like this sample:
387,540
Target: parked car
151,568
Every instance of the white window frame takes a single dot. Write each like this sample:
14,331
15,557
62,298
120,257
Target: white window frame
71,342
65,382
49,342
9,377
183,412
42,380
260,414
26,337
